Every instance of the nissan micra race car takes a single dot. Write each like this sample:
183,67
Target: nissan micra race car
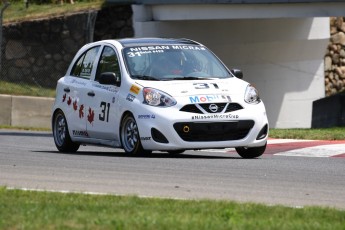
153,94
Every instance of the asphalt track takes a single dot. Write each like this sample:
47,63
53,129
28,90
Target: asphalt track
291,172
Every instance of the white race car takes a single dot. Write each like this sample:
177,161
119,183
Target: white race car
151,94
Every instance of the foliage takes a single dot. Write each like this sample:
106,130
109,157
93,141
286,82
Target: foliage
19,11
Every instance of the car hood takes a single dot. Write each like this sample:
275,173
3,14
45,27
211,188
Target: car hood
179,88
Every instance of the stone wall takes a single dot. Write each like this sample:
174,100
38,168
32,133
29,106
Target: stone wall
38,52
335,58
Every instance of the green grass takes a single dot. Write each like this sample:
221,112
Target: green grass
24,128
47,210
18,12
25,89
336,133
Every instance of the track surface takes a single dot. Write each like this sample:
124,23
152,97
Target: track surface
288,173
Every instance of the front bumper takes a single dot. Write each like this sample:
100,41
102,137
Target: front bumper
171,129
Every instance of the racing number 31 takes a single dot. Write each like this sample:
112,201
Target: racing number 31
104,116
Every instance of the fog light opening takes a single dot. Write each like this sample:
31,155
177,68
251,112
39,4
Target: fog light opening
263,133
157,136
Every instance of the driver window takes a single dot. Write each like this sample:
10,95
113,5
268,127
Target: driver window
83,66
108,63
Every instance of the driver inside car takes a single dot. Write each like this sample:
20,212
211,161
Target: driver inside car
168,64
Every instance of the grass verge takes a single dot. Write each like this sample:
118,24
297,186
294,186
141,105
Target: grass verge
47,210
24,128
336,133
25,90
17,11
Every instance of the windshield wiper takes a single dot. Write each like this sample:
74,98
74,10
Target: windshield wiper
145,77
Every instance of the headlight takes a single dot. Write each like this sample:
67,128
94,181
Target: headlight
156,97
251,96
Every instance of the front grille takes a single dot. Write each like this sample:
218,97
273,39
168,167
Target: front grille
193,108
233,107
220,107
213,131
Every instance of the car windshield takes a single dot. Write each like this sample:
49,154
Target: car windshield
173,62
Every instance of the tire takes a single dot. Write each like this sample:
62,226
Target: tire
130,138
249,153
61,135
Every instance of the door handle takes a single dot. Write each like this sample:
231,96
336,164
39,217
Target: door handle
67,90
91,94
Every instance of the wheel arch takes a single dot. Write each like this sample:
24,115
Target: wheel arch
53,118
125,113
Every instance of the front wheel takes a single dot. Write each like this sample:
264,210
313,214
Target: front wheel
253,152
130,138
61,135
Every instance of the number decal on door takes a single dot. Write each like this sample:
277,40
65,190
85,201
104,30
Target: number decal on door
104,116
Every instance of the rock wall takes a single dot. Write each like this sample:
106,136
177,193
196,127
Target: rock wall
38,52
335,58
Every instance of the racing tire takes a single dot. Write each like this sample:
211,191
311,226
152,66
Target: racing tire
130,138
61,135
249,153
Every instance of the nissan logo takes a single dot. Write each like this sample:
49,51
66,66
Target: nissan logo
213,108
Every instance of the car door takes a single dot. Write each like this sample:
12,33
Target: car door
103,98
75,88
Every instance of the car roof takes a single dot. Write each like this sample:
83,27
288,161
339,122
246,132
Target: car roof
127,42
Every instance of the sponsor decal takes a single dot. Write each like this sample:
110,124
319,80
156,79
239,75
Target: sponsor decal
106,87
80,133
75,81
147,116
215,116
134,89
86,71
142,50
174,47
188,48
130,97
209,98
145,138
148,48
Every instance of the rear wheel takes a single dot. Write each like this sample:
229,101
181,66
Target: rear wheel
61,135
130,138
253,152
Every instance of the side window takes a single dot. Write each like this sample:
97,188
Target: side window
108,62
83,66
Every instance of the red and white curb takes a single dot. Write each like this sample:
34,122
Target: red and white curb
299,148
306,148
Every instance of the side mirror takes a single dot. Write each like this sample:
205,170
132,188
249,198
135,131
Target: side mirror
109,78
237,73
